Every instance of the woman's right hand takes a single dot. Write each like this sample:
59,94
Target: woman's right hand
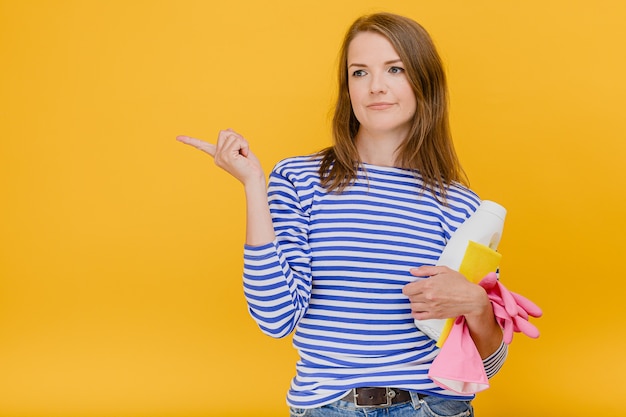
231,153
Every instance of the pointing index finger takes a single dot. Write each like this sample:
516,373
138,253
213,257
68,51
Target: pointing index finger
197,143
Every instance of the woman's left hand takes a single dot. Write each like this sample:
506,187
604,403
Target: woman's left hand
445,294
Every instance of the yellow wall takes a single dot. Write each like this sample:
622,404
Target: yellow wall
120,249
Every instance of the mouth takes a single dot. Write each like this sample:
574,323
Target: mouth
379,106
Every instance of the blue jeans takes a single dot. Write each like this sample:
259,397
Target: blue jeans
429,406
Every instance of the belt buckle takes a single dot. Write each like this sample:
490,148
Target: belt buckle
389,394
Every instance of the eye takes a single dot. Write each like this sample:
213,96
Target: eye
359,73
396,70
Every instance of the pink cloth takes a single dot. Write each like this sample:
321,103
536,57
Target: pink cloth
458,367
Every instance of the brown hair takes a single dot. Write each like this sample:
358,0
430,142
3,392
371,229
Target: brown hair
428,148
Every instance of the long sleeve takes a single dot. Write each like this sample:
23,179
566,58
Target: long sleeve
277,276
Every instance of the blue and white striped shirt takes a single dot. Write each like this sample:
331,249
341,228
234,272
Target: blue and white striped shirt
335,274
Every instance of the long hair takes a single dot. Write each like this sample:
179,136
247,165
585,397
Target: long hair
428,148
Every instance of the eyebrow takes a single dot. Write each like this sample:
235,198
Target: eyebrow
393,61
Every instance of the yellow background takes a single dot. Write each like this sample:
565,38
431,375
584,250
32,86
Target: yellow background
120,249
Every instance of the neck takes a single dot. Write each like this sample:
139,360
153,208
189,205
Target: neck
379,149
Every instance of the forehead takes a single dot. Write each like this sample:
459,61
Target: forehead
370,46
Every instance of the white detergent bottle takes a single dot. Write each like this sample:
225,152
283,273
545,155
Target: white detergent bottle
484,226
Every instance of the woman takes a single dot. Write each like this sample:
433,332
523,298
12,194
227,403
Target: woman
339,244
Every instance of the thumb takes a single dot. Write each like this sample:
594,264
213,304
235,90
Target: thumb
198,144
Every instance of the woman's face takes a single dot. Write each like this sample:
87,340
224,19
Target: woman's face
381,96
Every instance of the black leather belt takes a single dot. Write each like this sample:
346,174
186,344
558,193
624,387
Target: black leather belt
377,397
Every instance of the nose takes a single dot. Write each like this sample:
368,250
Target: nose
377,84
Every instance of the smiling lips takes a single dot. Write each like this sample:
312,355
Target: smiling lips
379,106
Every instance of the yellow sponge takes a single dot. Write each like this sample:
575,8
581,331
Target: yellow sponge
478,261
